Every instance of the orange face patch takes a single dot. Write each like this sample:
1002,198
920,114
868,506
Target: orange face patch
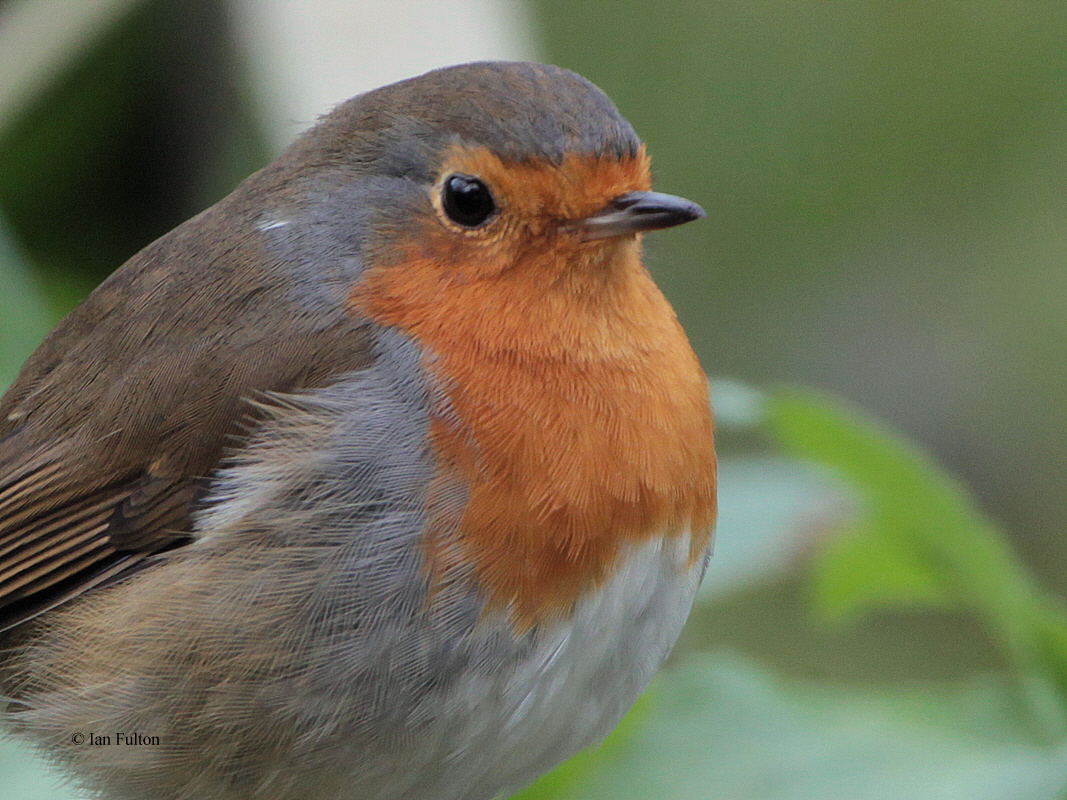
578,416
551,194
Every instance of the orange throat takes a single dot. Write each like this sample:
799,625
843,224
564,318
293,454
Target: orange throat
577,419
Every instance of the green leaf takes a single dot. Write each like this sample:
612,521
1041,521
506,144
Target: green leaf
24,316
723,728
856,568
920,537
770,509
27,776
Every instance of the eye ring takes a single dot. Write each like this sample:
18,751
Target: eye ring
467,201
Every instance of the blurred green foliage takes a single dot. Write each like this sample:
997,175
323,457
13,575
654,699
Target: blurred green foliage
24,317
722,727
149,126
919,538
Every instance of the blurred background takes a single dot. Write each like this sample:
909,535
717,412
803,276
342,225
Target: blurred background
886,188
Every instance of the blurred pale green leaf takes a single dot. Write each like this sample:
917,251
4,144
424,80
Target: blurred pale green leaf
770,510
24,316
27,777
856,568
720,727
919,536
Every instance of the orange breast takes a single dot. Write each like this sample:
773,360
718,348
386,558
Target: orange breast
578,417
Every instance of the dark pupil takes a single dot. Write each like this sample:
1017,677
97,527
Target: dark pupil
467,201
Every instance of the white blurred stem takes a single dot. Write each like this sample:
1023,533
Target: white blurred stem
307,56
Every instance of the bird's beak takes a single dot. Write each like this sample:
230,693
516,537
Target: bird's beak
635,212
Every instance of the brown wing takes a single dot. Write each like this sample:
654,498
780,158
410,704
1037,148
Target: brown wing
55,542
114,425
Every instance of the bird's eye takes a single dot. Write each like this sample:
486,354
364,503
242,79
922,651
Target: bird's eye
467,201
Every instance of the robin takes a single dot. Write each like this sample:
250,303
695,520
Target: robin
388,476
